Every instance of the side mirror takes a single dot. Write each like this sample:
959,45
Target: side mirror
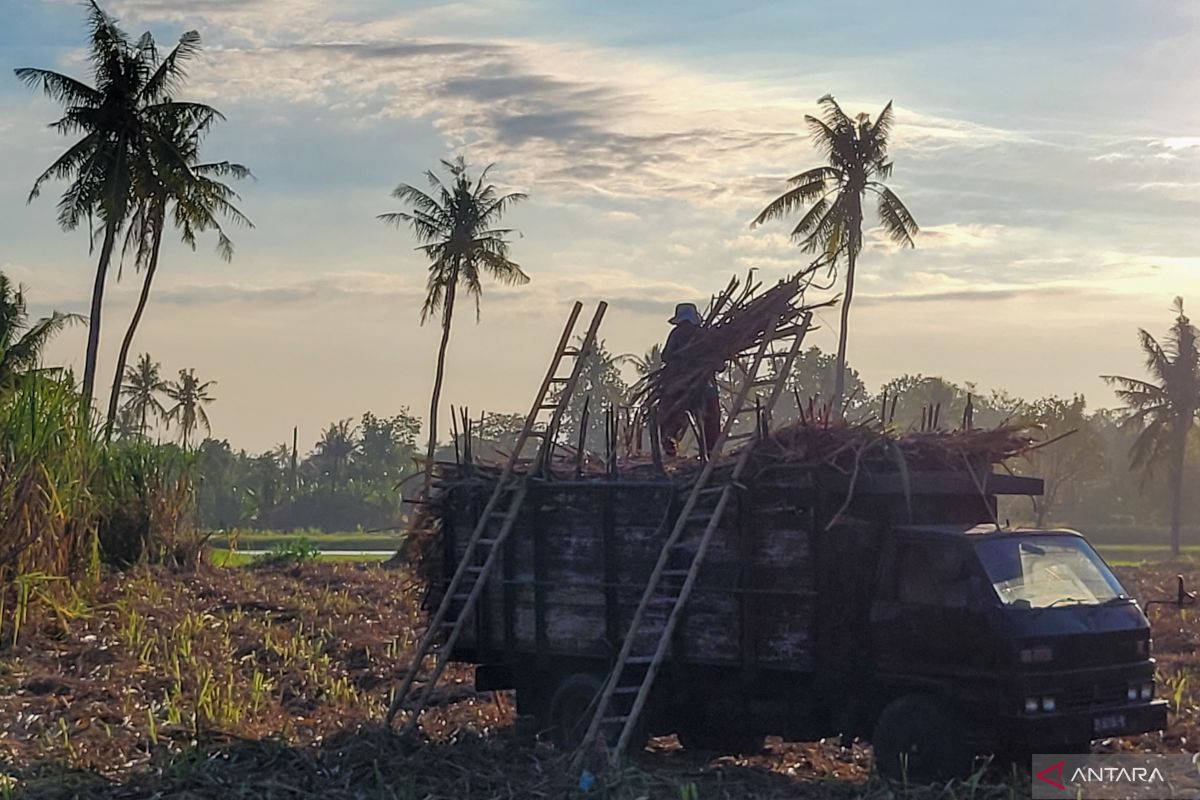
1183,598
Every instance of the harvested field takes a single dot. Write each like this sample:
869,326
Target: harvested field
242,683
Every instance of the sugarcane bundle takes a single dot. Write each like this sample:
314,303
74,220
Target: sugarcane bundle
738,320
867,444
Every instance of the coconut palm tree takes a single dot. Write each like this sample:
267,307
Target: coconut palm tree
190,396
1165,407
338,443
21,344
141,389
858,163
196,200
454,225
119,120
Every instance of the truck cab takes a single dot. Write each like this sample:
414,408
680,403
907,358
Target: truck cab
986,639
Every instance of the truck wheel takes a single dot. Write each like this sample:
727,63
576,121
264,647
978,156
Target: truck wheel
571,709
917,739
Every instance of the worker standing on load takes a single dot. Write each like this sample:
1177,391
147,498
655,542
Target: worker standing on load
706,408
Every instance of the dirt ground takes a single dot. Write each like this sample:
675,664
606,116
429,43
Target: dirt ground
249,683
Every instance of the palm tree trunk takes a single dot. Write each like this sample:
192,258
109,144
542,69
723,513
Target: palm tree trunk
839,379
447,315
127,342
1179,457
93,342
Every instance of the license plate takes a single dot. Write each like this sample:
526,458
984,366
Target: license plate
1109,723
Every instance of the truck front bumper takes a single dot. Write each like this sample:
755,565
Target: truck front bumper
1044,732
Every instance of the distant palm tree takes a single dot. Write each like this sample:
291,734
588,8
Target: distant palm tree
21,344
196,200
120,119
190,396
857,152
646,363
1164,407
141,389
334,449
454,226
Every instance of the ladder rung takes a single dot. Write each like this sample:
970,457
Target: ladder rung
663,601
784,354
487,541
675,572
710,490
571,351
640,660
765,382
737,437
611,720
547,406
560,380
627,689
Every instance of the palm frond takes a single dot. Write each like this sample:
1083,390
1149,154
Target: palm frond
171,72
898,223
60,88
806,187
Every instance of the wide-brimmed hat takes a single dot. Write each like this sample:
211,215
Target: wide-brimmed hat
686,312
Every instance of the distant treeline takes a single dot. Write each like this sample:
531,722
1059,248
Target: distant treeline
353,476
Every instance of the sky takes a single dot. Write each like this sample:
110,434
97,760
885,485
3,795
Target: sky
1050,152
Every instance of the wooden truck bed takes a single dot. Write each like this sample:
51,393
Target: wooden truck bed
785,585
575,567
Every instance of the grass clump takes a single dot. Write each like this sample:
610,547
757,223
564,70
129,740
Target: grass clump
71,501
297,552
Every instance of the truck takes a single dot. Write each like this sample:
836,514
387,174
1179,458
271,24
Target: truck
893,607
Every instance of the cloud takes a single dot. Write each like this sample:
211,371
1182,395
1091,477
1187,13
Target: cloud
556,115
1177,190
360,288
983,294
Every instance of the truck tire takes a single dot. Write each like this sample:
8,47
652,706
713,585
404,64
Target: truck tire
919,740
570,710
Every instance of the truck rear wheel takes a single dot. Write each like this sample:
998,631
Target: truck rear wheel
918,739
571,709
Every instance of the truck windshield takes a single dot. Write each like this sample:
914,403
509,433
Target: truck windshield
1044,571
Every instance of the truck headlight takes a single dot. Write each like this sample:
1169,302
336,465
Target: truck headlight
1037,655
1132,694
1147,691
1048,704
1031,705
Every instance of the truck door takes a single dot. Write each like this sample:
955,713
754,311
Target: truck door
928,621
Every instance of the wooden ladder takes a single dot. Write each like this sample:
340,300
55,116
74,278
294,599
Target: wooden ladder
646,644
503,508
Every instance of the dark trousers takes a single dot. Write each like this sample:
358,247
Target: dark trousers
708,416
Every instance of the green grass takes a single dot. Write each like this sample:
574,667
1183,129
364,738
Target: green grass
347,540
227,558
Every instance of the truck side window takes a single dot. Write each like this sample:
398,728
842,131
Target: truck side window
932,575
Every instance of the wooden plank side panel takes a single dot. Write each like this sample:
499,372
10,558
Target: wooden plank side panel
777,580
